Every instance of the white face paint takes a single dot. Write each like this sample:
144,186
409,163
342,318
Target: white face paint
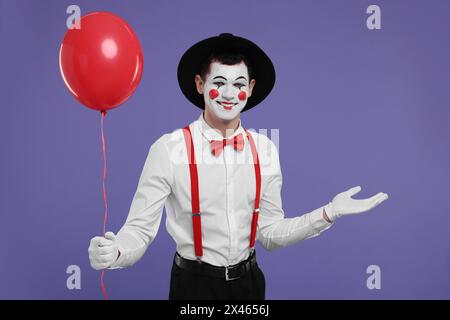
229,81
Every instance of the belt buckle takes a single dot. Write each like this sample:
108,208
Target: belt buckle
227,278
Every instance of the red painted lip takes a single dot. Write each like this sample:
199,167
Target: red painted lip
227,105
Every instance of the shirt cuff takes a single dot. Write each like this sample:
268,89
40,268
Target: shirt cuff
131,249
119,261
317,221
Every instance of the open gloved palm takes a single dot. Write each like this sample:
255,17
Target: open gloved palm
343,203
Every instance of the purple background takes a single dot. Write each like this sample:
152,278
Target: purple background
353,106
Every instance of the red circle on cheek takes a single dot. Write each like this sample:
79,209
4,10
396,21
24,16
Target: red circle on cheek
242,95
213,93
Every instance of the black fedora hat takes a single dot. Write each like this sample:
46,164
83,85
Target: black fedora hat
190,64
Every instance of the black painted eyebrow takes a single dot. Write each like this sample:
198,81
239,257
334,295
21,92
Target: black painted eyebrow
241,77
219,77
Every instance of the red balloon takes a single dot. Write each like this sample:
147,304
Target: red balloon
102,62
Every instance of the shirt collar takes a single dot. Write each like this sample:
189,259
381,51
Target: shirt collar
212,134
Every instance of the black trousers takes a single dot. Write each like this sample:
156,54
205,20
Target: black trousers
188,285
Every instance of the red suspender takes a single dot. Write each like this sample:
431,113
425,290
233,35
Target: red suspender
258,191
196,218
195,202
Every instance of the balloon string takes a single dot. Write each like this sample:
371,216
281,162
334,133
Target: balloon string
105,217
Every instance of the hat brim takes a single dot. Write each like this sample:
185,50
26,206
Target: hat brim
263,70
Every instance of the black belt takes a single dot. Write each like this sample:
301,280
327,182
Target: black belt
228,273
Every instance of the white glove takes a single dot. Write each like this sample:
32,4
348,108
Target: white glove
343,204
103,251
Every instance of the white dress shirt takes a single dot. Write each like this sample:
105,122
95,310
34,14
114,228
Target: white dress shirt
227,193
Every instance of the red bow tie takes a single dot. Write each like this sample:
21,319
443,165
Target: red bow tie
218,145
